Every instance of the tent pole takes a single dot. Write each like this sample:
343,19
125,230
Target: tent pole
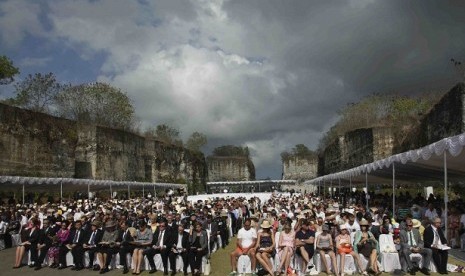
331,189
23,193
339,190
366,187
446,199
111,192
61,191
88,191
350,184
143,191
324,188
393,189
129,193
154,192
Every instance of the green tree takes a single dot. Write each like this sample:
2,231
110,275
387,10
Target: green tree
166,134
37,92
96,103
7,70
230,150
196,141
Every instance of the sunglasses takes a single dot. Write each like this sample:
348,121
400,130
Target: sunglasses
409,225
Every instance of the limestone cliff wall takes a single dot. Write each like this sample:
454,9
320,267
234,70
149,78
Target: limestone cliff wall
234,168
446,118
35,144
355,148
300,168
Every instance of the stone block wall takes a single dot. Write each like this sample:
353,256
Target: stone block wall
297,168
446,118
36,144
355,148
230,168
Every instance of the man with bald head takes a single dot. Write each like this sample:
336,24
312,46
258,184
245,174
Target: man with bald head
434,238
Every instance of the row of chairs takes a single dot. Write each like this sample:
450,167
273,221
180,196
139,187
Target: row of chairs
389,260
116,260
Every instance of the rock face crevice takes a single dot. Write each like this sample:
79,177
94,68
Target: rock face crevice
36,144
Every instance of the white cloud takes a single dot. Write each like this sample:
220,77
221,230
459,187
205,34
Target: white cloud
19,18
34,62
243,72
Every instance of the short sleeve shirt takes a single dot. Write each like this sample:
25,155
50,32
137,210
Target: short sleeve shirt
300,235
247,237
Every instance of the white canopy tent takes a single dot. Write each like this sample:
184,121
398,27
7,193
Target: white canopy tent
442,161
6,181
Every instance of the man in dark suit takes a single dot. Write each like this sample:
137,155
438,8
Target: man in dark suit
123,241
45,242
171,223
411,242
179,247
76,245
212,227
92,239
435,239
160,245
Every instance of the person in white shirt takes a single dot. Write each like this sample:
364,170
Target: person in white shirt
246,241
431,213
352,225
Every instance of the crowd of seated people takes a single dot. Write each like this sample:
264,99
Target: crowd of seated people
278,235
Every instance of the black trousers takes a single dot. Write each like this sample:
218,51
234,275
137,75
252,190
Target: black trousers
78,255
195,259
91,251
42,255
440,259
224,233
151,252
123,251
62,251
173,256
33,249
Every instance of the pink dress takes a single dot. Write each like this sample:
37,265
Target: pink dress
286,240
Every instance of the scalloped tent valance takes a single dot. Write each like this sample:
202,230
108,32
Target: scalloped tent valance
22,180
422,163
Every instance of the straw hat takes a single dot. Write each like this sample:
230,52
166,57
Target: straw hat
343,227
265,224
224,213
416,223
96,223
364,222
132,231
110,224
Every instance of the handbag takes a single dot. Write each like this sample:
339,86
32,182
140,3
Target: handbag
208,268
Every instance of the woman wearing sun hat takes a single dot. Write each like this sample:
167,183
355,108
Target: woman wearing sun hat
366,244
107,246
265,246
344,246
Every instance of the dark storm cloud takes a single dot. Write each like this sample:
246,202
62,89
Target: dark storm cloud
266,74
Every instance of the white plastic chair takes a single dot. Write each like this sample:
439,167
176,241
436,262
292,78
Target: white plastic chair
244,264
389,257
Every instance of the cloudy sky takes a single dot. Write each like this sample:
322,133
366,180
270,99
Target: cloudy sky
266,74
